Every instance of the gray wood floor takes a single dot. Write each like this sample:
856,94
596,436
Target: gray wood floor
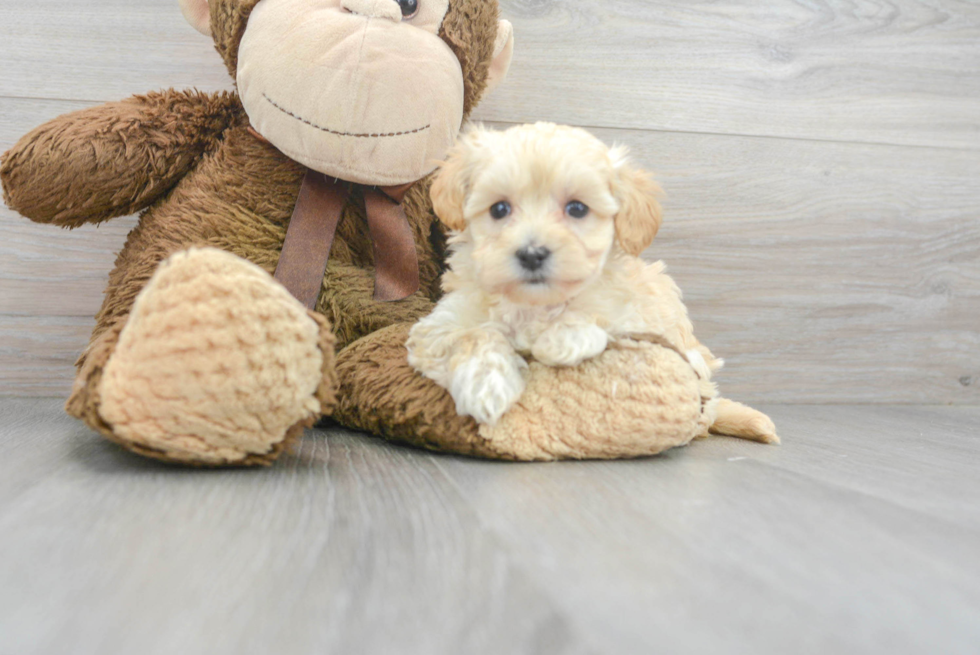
860,535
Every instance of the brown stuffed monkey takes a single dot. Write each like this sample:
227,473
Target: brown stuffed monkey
200,355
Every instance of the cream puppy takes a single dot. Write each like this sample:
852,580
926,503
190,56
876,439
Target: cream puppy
548,224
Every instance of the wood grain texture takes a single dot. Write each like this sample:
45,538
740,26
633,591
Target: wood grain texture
889,71
110,50
343,548
822,271
928,465
892,71
727,548
825,272
858,535
37,353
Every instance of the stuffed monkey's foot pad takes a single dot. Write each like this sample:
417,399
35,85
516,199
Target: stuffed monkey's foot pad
216,365
638,398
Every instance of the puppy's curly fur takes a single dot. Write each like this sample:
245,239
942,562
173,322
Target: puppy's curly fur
548,227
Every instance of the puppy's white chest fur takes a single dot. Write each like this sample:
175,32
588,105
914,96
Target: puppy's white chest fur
523,324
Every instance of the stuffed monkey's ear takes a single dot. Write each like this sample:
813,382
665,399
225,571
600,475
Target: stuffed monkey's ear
198,14
452,184
640,215
503,52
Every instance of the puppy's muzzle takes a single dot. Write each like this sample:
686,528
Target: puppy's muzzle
532,258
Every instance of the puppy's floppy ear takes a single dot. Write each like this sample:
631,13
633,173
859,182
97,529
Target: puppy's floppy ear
640,215
453,181
449,190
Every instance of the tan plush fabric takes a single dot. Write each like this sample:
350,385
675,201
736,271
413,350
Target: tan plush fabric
198,14
216,361
637,399
358,102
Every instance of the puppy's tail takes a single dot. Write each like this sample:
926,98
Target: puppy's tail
737,420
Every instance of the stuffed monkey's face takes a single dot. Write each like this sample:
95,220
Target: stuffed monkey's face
363,90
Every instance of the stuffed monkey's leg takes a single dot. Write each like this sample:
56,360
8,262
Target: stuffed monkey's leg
216,364
347,300
737,420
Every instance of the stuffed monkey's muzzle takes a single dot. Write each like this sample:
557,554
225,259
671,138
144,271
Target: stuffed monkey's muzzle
356,96
374,8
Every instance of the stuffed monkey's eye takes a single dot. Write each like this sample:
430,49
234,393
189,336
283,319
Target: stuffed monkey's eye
577,209
409,8
500,211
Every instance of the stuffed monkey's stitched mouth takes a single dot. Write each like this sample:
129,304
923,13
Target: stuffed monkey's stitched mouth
351,134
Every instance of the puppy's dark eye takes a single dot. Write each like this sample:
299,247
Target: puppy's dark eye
409,8
500,210
577,209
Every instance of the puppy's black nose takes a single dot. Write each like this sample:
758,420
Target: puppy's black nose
532,258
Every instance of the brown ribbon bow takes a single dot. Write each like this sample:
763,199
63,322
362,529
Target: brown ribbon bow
310,234
311,230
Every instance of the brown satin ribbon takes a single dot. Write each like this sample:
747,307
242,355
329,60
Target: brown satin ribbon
309,237
396,263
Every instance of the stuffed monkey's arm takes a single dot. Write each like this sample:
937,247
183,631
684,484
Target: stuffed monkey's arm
114,159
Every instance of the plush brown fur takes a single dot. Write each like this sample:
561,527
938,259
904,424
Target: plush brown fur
115,159
228,21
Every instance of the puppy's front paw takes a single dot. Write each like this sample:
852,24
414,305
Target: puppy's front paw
565,345
486,387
